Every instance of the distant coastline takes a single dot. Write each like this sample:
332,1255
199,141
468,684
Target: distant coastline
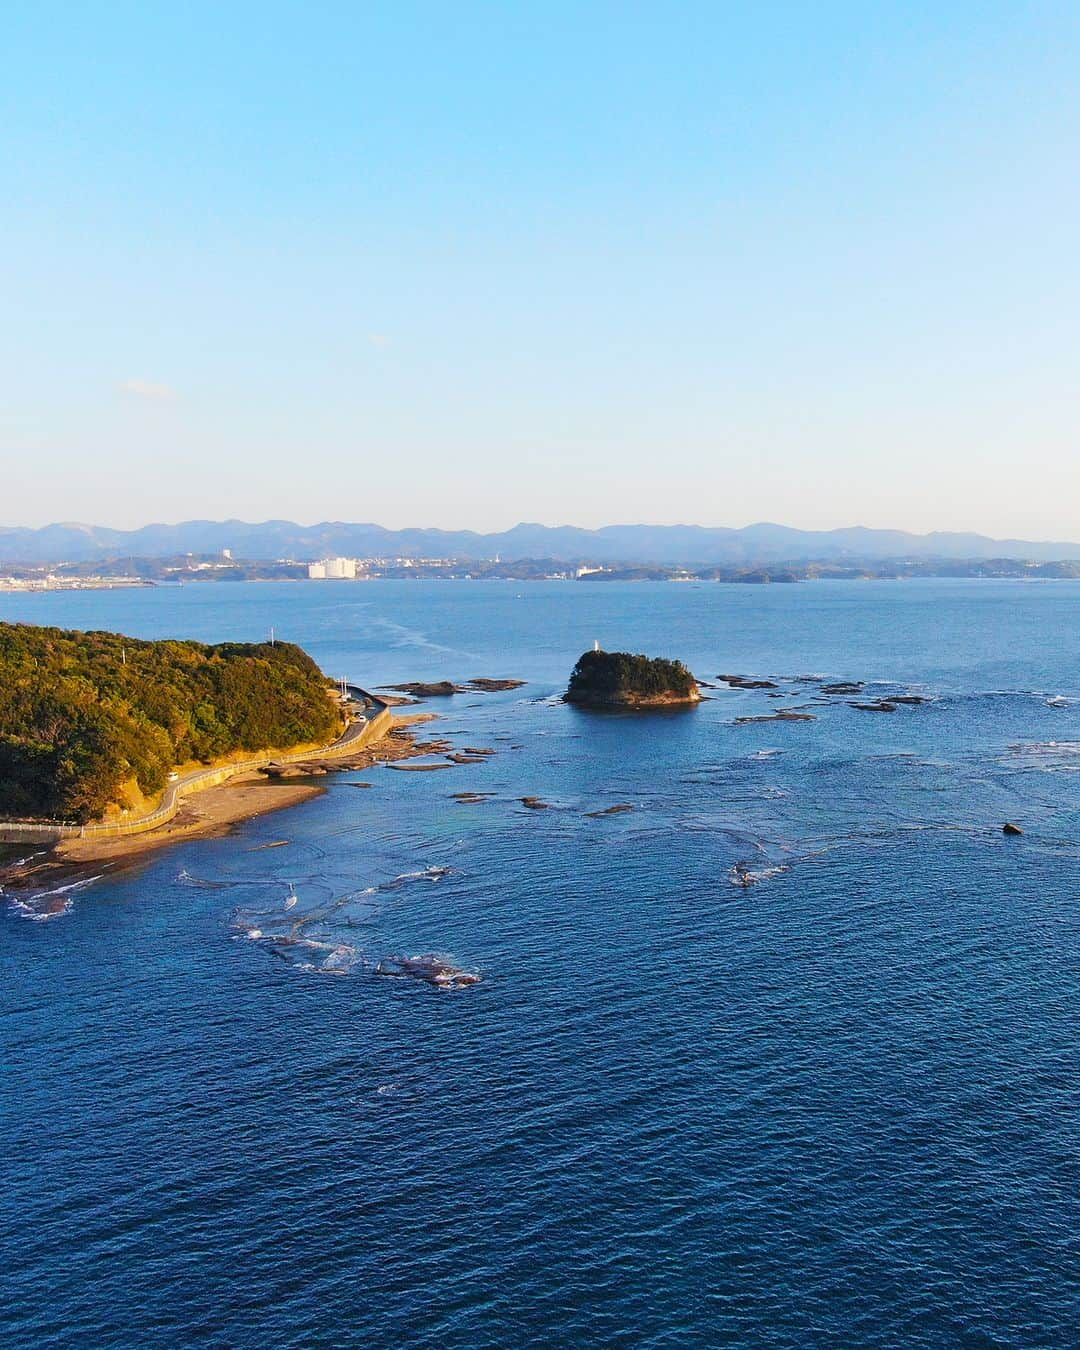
113,574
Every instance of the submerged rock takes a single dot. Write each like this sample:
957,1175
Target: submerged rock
432,969
783,715
745,682
433,689
743,876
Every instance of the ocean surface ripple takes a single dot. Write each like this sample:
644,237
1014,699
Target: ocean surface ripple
781,1052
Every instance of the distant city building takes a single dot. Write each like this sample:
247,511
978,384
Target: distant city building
226,553
332,569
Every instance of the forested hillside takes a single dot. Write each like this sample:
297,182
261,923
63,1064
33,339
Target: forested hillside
81,714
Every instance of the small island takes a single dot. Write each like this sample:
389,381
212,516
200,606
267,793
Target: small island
623,680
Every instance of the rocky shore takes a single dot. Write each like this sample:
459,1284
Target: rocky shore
40,874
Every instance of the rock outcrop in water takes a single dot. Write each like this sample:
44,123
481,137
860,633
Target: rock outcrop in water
431,969
745,682
622,680
784,715
483,684
430,689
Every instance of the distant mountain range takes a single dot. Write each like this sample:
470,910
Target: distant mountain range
662,544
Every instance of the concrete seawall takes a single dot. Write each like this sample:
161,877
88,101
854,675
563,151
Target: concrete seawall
355,737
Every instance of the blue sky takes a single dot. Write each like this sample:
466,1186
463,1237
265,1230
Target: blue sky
468,264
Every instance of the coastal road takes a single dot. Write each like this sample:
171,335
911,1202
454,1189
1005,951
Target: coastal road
359,731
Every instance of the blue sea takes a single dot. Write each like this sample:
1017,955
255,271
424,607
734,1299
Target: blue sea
837,1104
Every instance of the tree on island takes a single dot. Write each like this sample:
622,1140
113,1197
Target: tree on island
85,718
622,679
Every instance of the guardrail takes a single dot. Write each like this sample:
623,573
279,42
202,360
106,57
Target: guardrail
356,735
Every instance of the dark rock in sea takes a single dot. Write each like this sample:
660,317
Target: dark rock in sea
744,682
476,750
432,969
616,810
911,699
882,706
435,689
1010,828
784,715
534,803
843,687
489,686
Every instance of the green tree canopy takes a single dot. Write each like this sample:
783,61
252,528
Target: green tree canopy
81,714
610,676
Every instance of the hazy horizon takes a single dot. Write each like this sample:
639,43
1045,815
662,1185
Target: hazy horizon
503,527
520,521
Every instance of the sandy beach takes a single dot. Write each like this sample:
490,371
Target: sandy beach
212,811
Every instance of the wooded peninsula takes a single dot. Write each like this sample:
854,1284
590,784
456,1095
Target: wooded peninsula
85,718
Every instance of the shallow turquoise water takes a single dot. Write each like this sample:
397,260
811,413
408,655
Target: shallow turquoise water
838,1105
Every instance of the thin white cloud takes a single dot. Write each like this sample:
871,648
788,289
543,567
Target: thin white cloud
379,339
158,393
